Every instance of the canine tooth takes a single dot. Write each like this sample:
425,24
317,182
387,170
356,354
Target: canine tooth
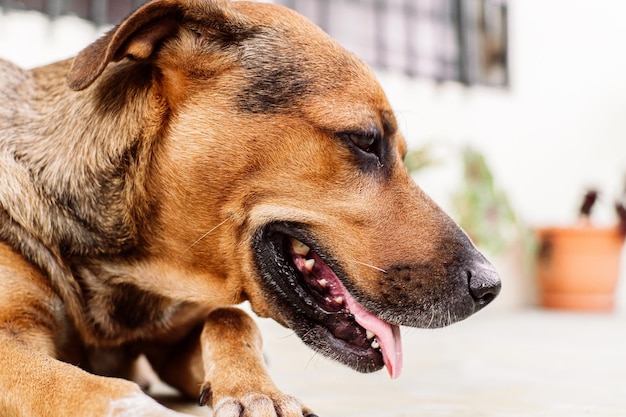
309,264
338,300
322,282
299,248
375,344
369,334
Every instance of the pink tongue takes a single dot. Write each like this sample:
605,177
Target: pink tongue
388,335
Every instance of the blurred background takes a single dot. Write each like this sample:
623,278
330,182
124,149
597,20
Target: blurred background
513,110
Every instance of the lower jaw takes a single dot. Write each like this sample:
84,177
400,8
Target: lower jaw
320,339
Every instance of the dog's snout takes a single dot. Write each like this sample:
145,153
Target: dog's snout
484,284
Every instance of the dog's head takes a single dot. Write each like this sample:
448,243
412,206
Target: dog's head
278,171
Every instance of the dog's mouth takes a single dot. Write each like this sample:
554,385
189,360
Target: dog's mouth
320,309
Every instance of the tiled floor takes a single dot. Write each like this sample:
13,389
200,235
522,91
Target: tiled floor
528,363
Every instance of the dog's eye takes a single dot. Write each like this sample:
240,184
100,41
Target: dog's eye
367,141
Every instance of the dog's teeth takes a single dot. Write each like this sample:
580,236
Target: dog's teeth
322,282
375,344
338,300
309,264
369,334
299,248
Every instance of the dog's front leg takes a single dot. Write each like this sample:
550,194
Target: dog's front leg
34,382
236,380
223,364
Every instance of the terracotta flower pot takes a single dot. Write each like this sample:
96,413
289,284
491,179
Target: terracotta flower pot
578,267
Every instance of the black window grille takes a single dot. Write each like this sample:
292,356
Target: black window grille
445,40
458,40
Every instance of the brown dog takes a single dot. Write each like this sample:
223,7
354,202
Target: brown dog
198,155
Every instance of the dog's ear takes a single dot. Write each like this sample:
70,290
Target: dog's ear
140,34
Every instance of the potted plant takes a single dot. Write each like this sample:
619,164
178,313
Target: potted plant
578,267
482,208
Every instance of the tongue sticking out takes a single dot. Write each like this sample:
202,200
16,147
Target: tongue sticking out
388,335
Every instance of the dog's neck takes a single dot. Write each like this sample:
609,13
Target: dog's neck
75,156
74,166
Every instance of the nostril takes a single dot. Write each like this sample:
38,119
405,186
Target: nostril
484,284
486,299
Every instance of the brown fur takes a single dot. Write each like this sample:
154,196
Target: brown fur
144,183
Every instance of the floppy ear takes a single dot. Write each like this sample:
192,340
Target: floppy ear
139,36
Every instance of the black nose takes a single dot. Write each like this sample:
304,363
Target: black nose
484,284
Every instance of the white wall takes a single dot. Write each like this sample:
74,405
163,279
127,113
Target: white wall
560,128
30,39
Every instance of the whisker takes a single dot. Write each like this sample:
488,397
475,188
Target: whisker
368,265
209,232
313,356
287,335
432,317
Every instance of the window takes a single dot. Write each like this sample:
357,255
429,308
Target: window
458,40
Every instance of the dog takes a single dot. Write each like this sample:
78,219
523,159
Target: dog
198,155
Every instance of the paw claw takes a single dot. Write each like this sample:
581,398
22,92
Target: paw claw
205,396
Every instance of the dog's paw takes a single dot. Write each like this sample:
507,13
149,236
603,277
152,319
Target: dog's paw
260,405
